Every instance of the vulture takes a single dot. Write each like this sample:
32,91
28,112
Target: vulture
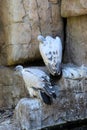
72,71
51,52
38,84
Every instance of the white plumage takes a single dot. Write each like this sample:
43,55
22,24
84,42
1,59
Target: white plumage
51,52
37,82
71,71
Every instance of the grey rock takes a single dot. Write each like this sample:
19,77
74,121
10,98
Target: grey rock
21,23
28,114
33,114
12,87
70,105
9,127
73,8
76,40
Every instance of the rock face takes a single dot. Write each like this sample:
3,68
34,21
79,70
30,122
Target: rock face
70,105
33,114
21,22
11,87
32,108
76,31
9,127
73,7
76,40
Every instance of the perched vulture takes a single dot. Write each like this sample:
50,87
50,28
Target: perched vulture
51,52
37,83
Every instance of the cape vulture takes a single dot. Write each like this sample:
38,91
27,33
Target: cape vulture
38,84
51,52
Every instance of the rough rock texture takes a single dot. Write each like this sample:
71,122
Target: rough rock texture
8,127
73,7
54,1
32,108
2,39
21,22
70,105
12,87
32,114
76,40
76,31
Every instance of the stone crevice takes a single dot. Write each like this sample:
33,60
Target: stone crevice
39,25
26,15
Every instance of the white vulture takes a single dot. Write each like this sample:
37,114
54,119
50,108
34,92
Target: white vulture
37,81
71,71
51,52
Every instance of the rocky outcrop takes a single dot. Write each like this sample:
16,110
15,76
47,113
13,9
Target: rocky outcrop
22,22
54,1
31,107
32,113
11,87
9,127
73,8
76,31
76,40
70,105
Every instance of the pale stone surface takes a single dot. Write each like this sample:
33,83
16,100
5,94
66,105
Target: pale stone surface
54,1
70,105
32,108
22,22
8,127
76,40
18,33
32,114
73,8
11,87
12,11
19,53
2,36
